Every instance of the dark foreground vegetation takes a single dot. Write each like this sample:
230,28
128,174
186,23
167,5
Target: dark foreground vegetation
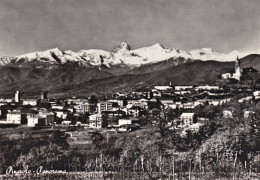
224,147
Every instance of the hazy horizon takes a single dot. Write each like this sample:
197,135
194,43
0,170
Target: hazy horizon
31,25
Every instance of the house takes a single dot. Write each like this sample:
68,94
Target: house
118,101
226,76
216,102
66,122
188,105
31,102
46,118
248,98
61,114
182,92
256,94
84,107
199,102
55,106
180,88
129,127
206,87
166,102
130,120
227,113
104,106
13,118
247,113
162,88
195,127
74,101
96,121
187,118
32,120
133,111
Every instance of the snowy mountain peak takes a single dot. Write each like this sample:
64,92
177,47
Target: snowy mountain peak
121,55
158,46
125,46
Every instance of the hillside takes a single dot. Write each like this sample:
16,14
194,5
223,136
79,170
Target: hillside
252,60
76,80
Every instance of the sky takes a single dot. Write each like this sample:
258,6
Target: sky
37,25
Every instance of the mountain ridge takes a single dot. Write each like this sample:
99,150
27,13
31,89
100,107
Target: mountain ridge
123,55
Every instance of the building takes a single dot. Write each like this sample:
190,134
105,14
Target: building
46,118
44,95
247,113
187,118
32,120
207,87
248,98
85,107
238,70
17,96
96,121
227,113
31,102
130,120
226,76
162,88
128,127
104,106
61,114
14,118
181,88
256,94
118,101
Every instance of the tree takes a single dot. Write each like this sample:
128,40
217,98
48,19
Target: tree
97,140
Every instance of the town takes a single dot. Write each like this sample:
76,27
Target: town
137,132
123,112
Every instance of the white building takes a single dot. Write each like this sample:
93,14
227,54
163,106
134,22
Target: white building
162,88
17,96
248,98
227,113
61,114
104,106
187,118
95,121
54,106
118,101
181,88
256,94
226,76
238,70
32,120
207,87
237,74
13,118
248,113
195,127
130,120
31,102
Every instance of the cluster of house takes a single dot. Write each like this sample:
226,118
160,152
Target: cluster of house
121,111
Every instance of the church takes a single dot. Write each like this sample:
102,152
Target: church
237,74
240,73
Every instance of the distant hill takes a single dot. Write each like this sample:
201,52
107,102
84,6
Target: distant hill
79,81
252,60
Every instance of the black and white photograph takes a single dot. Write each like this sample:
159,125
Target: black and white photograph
130,89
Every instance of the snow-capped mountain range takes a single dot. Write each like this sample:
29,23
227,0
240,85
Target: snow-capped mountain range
122,55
